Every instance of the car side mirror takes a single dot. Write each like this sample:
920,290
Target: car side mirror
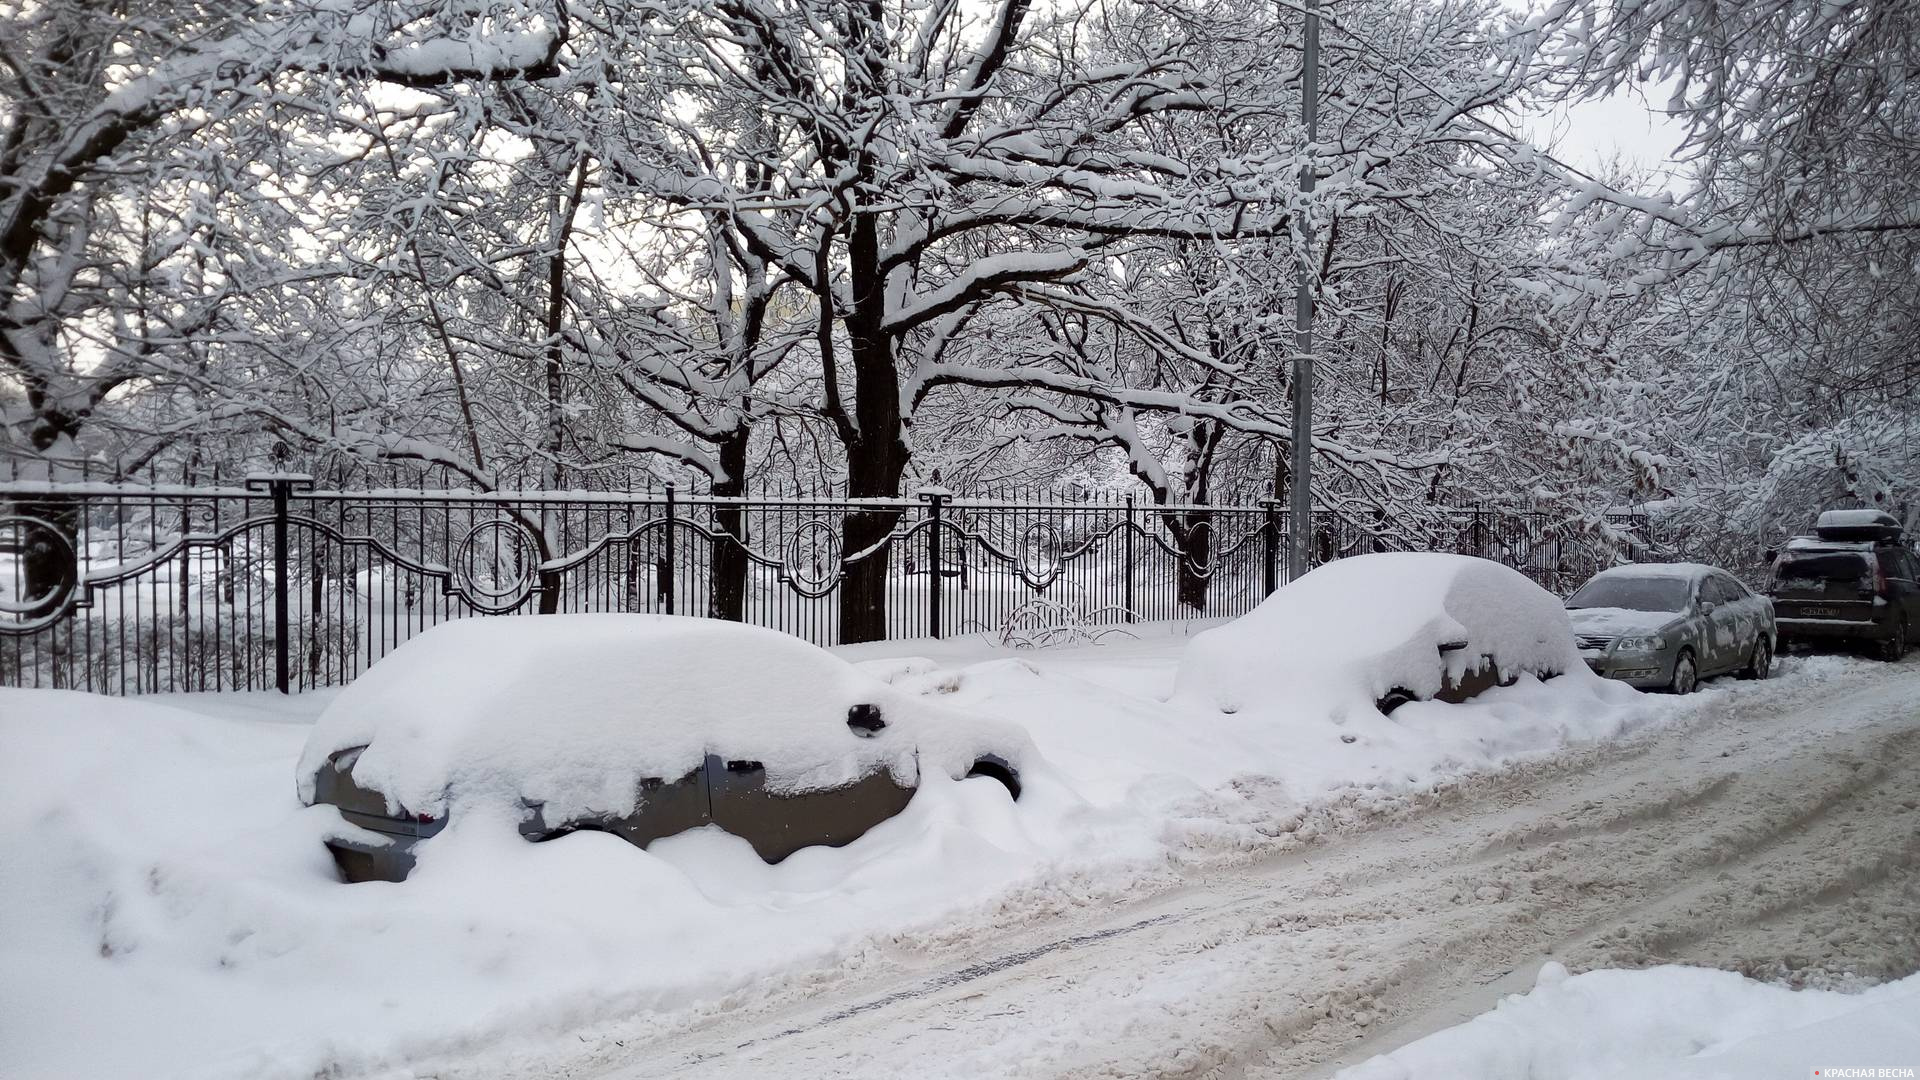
1706,607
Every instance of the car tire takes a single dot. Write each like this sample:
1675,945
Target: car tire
1393,699
994,767
1686,674
1895,646
1760,664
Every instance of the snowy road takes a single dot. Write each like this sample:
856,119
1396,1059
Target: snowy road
1775,831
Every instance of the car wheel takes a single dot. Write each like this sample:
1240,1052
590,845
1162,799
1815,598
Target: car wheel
1686,675
1760,665
994,767
1394,699
1895,647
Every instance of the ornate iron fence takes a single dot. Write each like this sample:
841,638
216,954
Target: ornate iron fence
276,584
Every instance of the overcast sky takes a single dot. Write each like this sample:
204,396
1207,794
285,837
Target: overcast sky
1591,134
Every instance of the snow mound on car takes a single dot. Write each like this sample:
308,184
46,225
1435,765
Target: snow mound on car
1869,520
1343,635
574,710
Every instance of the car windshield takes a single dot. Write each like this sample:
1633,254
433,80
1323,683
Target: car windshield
1820,566
1633,593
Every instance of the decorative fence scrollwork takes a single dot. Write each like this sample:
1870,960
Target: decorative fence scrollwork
1039,560
498,565
812,562
49,571
128,589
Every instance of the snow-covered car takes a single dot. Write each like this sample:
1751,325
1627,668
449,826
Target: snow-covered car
1383,630
1666,626
642,726
1853,580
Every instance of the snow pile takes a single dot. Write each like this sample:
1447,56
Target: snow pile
1220,787
168,908
573,710
1345,634
139,844
1681,1022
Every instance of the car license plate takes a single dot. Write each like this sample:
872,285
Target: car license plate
1819,612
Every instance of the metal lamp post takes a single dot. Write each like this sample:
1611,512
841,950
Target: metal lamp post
1300,495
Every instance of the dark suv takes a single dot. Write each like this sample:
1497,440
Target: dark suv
1852,581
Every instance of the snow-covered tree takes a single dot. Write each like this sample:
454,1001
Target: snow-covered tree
103,103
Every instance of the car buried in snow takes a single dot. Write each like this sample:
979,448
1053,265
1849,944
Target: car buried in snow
1382,631
642,726
1666,626
1852,582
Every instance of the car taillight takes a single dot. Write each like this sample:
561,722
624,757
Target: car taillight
1879,577
423,818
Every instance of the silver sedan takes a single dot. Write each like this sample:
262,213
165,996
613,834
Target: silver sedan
1666,626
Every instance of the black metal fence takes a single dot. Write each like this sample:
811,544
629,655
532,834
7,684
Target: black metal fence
276,584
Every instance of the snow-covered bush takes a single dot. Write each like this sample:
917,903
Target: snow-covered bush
1041,623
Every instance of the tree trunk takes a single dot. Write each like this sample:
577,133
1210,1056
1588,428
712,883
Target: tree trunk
1194,535
727,586
877,452
863,592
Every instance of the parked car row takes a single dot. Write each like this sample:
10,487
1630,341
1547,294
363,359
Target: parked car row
1669,625
646,726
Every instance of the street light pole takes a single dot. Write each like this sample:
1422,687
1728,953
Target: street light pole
1300,494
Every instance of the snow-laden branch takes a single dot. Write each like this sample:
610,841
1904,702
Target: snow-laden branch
677,449
983,278
1238,415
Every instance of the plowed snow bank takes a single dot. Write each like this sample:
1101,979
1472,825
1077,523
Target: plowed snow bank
1690,1023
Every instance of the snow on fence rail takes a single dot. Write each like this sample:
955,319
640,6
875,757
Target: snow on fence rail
121,588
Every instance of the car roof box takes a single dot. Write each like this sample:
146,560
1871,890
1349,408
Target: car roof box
1857,525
